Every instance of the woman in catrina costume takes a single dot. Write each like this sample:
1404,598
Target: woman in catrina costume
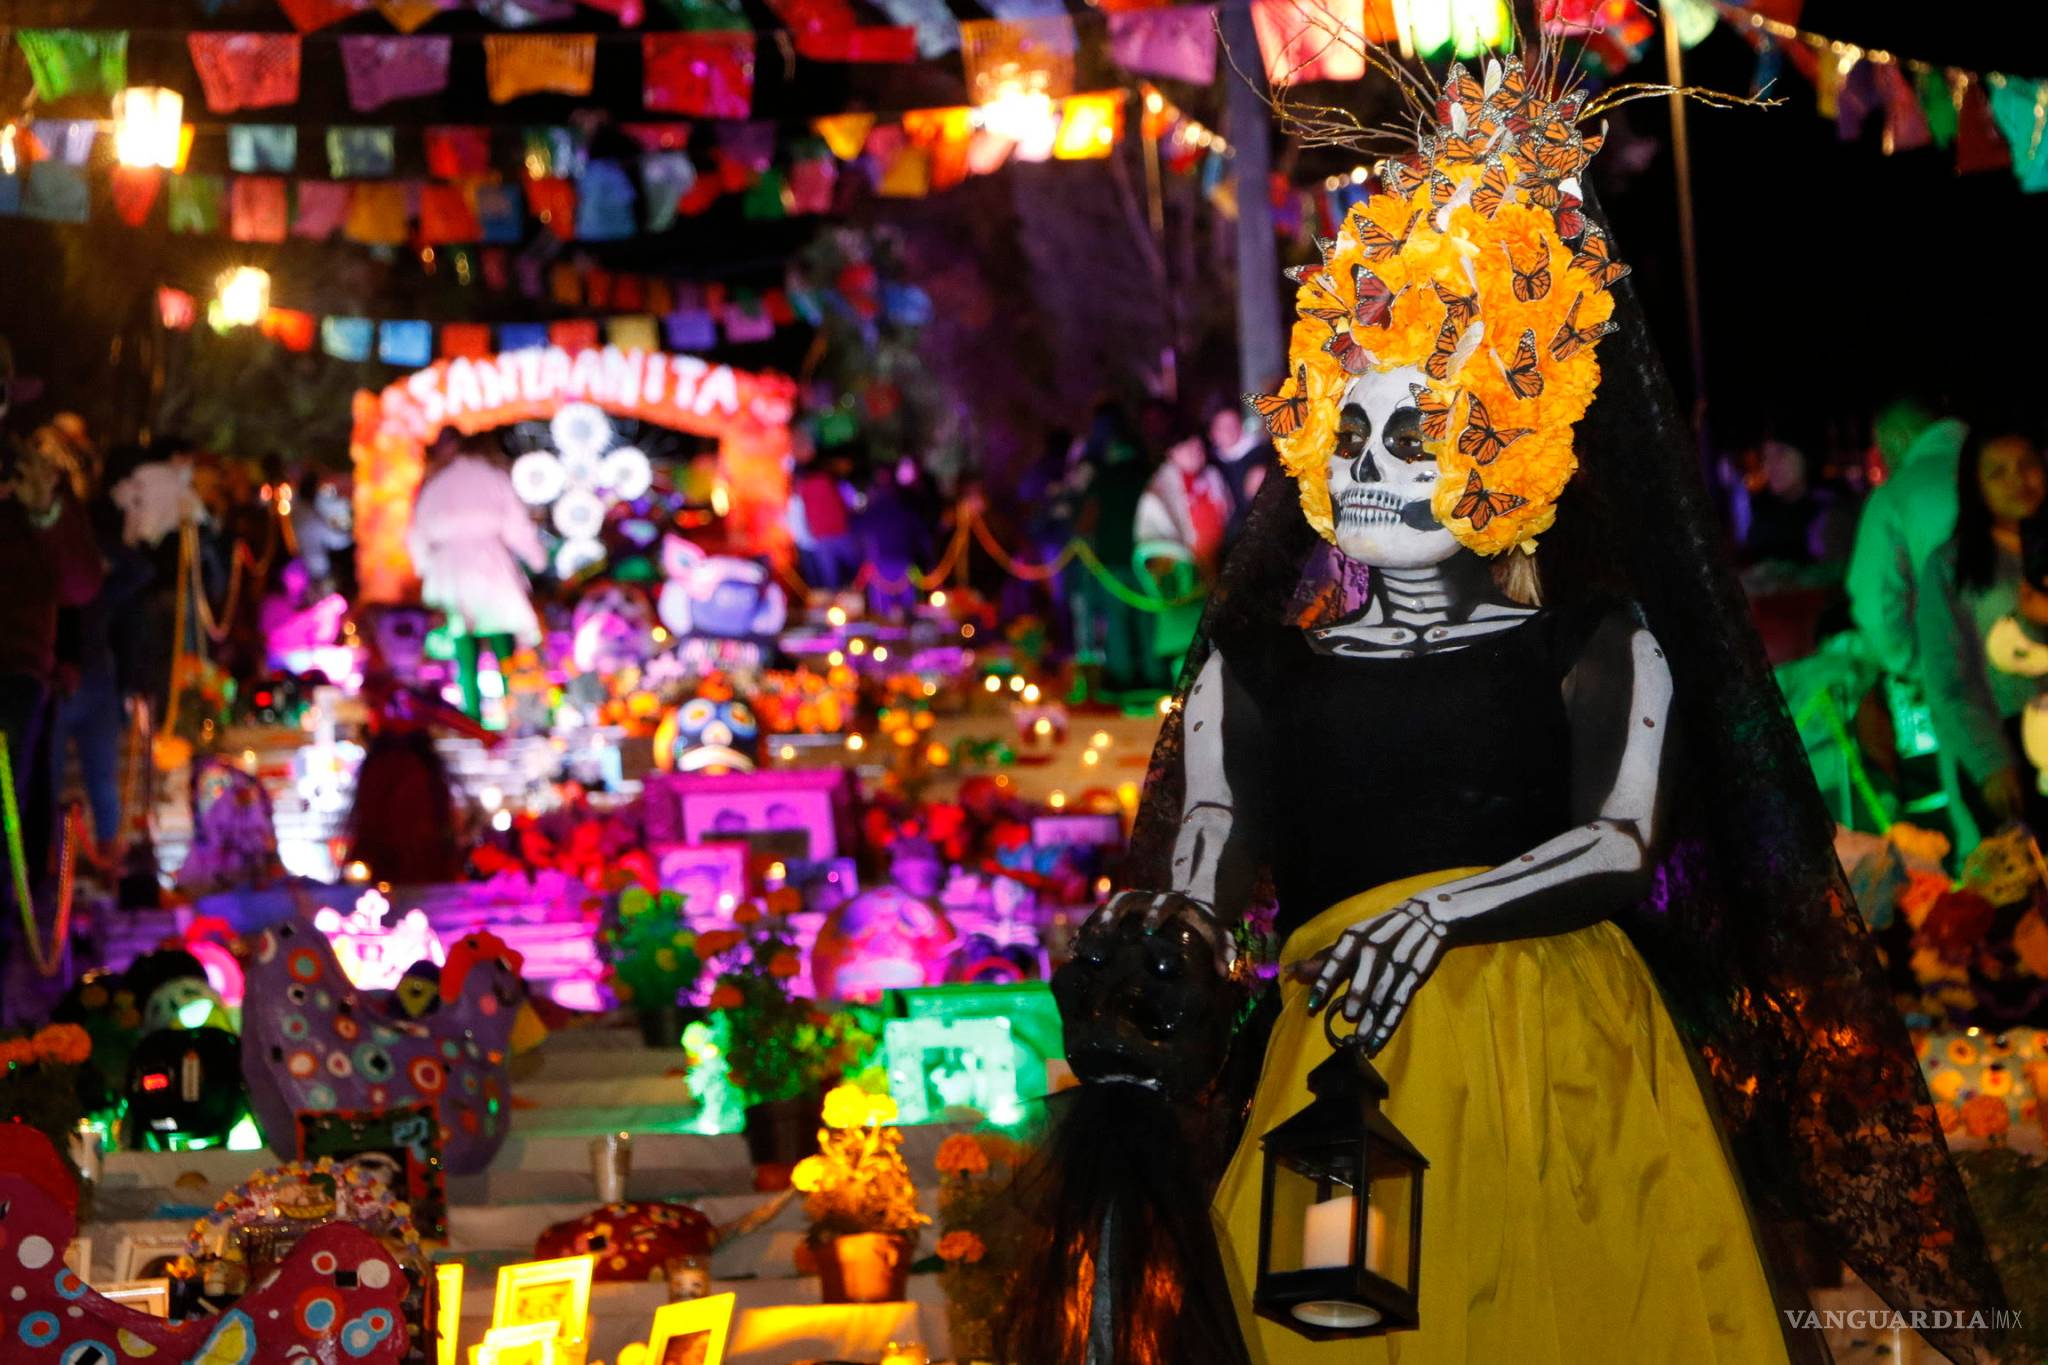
1538,830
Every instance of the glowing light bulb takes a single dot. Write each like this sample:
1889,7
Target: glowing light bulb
967,631
778,872
501,820
857,647
149,127
992,683
1091,757
357,872
1058,800
1100,739
1041,727
786,753
1031,692
855,743
836,615
1016,682
244,296
835,658
881,654
938,597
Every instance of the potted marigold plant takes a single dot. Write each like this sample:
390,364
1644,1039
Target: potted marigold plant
782,1050
978,1229
651,958
39,1083
858,1195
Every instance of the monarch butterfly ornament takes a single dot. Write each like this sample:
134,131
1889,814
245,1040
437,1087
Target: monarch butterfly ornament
1481,440
1572,338
1284,414
1525,376
1480,504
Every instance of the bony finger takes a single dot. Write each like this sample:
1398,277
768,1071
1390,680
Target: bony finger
1370,961
1326,981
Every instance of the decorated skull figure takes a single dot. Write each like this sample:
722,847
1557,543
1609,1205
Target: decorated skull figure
709,734
1382,478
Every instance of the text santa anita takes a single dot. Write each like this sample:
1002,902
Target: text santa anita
543,377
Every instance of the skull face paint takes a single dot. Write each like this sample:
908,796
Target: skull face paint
1382,478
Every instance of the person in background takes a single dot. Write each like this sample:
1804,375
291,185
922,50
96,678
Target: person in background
1781,508
1187,504
1243,454
47,562
89,717
1110,635
893,538
822,522
1905,519
1966,586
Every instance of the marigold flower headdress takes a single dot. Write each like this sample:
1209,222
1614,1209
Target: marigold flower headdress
1475,264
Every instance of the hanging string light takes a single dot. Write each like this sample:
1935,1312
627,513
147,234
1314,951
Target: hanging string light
244,296
10,158
149,124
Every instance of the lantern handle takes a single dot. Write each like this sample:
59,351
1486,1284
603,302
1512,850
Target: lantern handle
1337,1044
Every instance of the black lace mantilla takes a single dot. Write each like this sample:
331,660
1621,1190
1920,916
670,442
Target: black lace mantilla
1751,930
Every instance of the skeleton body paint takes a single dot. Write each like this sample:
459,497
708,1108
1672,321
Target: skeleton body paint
1428,594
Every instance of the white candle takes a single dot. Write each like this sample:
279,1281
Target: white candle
1326,1234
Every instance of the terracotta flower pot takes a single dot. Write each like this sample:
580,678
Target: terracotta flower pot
865,1267
779,1134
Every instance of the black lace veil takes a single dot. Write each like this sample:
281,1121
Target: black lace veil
1750,930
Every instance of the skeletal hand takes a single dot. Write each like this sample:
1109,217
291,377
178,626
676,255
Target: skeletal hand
1387,958
1158,908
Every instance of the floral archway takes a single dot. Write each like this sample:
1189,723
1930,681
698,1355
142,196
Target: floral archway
747,413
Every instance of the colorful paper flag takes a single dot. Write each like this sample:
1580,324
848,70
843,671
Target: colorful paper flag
456,152
845,134
522,336
447,216
73,61
2020,108
529,64
665,177
499,213
938,32
290,328
1905,124
194,203
376,213
133,190
1026,56
408,15
574,334
1294,39
176,309
1176,44
553,201
259,208
604,203
383,69
1978,144
308,15
246,70
710,74
69,140
465,340
347,338
408,343
361,152
635,333
322,209
56,192
263,148
690,329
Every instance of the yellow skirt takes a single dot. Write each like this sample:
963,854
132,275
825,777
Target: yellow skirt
1579,1204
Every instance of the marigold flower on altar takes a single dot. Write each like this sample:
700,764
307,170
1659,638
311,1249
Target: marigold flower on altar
784,964
65,1044
961,1246
17,1052
808,1175
960,1154
716,941
784,901
849,1106
746,914
727,997
1985,1116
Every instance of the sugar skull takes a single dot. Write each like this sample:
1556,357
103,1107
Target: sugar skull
614,631
1382,478
709,734
718,595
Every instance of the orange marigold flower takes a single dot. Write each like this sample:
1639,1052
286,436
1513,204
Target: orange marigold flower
1986,1116
718,941
65,1044
960,1154
746,914
726,998
785,901
961,1246
16,1052
784,964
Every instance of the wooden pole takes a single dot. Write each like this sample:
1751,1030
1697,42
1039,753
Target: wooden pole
1261,343
1688,234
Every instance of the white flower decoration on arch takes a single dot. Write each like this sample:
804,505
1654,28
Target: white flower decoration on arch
579,480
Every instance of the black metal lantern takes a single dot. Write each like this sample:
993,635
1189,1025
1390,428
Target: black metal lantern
1340,1211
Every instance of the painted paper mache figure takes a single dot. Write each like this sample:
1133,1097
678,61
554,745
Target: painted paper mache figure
1539,831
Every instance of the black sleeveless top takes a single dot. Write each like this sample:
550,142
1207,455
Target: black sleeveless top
1369,770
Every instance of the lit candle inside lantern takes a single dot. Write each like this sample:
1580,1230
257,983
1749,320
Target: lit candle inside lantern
1326,1235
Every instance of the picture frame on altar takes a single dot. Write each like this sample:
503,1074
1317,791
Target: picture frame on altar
144,1255
941,1065
691,1333
148,1296
448,1277
556,1291
532,1343
405,1143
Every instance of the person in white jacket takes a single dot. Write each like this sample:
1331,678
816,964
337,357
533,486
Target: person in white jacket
470,534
